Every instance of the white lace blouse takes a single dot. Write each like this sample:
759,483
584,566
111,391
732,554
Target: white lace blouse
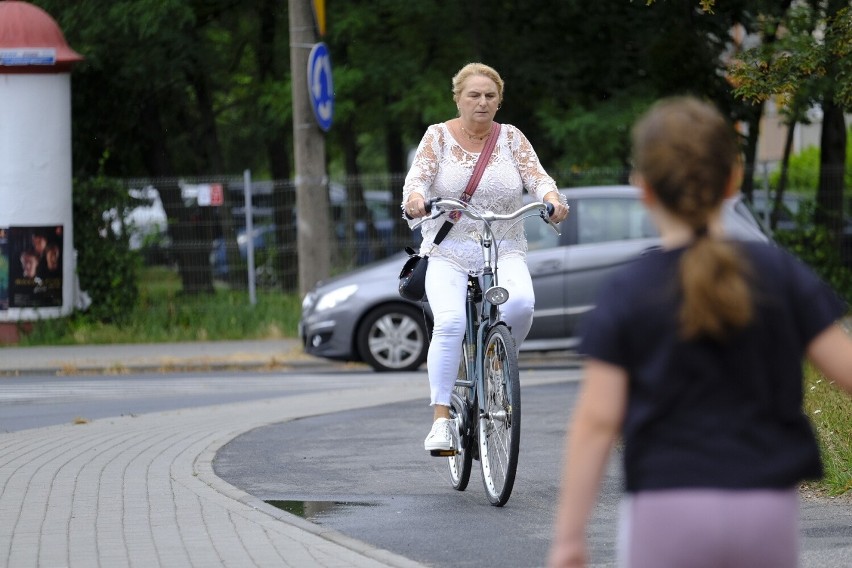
442,168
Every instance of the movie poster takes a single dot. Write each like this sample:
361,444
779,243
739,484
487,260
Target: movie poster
35,266
4,271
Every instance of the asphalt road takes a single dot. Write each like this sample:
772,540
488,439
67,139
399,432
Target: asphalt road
365,474
35,401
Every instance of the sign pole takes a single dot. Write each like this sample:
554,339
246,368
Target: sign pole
250,237
313,228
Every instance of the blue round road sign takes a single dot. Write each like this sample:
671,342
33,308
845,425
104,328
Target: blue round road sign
320,87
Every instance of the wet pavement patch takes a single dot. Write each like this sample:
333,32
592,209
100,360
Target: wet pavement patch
312,510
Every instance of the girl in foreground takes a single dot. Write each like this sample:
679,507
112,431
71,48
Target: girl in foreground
694,358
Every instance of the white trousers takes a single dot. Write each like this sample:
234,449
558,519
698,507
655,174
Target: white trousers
446,288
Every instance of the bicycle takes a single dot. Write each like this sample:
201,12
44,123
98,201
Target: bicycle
486,402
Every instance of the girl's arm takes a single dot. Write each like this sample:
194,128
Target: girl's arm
594,427
831,352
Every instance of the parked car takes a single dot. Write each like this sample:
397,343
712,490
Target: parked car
350,228
263,237
359,316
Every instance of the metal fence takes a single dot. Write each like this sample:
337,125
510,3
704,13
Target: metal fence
241,233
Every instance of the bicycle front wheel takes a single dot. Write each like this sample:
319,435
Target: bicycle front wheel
500,424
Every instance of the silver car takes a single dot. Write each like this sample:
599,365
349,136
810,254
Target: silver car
359,316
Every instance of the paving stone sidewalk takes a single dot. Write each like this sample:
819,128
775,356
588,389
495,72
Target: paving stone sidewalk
140,491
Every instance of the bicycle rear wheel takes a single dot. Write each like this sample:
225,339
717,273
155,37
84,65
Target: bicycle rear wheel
460,411
500,425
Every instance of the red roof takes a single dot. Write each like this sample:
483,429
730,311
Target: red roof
24,30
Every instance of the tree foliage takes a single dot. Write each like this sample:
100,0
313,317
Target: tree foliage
807,64
106,266
808,58
803,173
181,88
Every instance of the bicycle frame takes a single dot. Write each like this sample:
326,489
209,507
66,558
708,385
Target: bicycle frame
479,326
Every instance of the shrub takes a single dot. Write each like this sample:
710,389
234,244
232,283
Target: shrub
106,266
813,245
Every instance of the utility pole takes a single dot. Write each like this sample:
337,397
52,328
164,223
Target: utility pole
312,217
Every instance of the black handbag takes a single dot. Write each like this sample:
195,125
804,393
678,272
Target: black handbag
412,277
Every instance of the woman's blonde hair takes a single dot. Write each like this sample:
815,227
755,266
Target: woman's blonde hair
476,69
687,153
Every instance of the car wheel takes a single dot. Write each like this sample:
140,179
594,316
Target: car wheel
393,337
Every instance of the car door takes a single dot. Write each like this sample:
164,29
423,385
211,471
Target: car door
609,232
546,261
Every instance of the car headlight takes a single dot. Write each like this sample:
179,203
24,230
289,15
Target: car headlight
335,297
308,301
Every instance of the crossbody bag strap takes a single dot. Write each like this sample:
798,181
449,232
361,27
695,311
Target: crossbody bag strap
481,162
473,183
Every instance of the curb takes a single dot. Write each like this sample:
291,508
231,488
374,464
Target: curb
117,359
70,369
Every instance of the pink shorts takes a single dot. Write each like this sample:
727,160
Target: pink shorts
698,528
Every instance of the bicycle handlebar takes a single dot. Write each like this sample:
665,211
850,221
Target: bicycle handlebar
444,204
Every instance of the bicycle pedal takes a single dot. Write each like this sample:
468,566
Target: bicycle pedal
443,453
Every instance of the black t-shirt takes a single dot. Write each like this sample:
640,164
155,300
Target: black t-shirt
703,414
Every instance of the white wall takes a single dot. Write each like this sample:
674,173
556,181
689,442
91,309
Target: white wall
35,169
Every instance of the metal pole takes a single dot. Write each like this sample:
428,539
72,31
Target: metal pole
313,229
249,236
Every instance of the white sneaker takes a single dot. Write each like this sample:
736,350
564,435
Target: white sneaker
441,436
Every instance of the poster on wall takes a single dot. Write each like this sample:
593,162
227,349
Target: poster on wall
4,271
35,266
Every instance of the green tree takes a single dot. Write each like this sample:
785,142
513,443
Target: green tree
179,88
808,64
